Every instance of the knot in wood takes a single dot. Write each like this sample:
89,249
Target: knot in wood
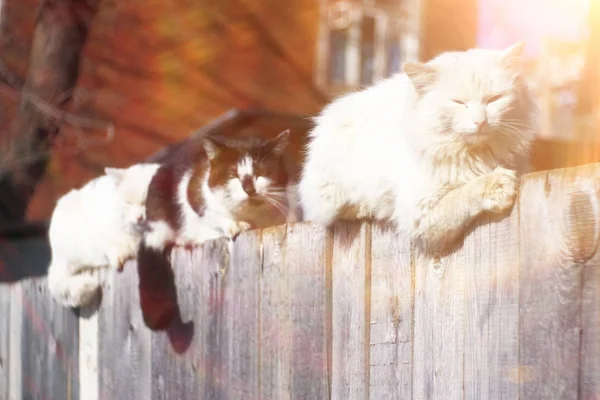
581,222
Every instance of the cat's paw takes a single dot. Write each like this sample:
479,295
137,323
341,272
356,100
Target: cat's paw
244,226
123,260
500,190
117,260
82,289
235,228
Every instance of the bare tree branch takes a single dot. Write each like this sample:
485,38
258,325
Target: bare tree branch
59,36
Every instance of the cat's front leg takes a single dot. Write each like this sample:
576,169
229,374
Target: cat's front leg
427,204
118,258
124,249
440,220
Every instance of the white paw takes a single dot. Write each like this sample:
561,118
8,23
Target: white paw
234,228
244,226
122,255
499,190
82,295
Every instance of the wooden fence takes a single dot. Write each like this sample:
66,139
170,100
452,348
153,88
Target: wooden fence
353,312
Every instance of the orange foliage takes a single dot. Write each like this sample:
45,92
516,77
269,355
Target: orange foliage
162,68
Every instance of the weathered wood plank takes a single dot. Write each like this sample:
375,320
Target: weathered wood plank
491,257
4,339
210,356
392,299
581,219
294,284
439,326
14,353
589,381
89,380
242,313
275,319
123,339
550,293
49,345
307,258
174,374
351,286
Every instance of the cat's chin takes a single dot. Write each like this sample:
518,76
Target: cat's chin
255,201
476,139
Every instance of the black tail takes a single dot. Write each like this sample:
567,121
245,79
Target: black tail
158,297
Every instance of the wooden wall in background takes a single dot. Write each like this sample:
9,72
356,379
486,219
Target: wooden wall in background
352,312
448,25
160,69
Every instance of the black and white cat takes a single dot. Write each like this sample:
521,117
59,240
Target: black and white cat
218,187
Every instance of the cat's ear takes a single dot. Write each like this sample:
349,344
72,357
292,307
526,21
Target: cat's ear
212,147
513,55
280,142
116,174
421,75
514,51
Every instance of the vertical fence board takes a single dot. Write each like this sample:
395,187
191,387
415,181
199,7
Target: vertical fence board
89,379
294,312
15,369
491,256
212,264
590,319
581,228
275,319
174,374
392,298
123,339
351,286
550,293
439,326
242,314
4,339
306,257
49,345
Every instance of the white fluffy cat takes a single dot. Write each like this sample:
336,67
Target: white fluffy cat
430,148
96,226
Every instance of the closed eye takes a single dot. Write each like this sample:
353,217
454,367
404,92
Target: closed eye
462,103
494,98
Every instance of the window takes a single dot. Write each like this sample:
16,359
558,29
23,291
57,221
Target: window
363,41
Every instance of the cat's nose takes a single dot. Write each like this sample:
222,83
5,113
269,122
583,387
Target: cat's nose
479,124
248,186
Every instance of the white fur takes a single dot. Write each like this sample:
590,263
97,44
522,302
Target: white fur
159,233
225,214
95,227
216,220
406,149
245,166
227,209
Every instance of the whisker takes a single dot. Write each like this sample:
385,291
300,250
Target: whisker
278,201
277,206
